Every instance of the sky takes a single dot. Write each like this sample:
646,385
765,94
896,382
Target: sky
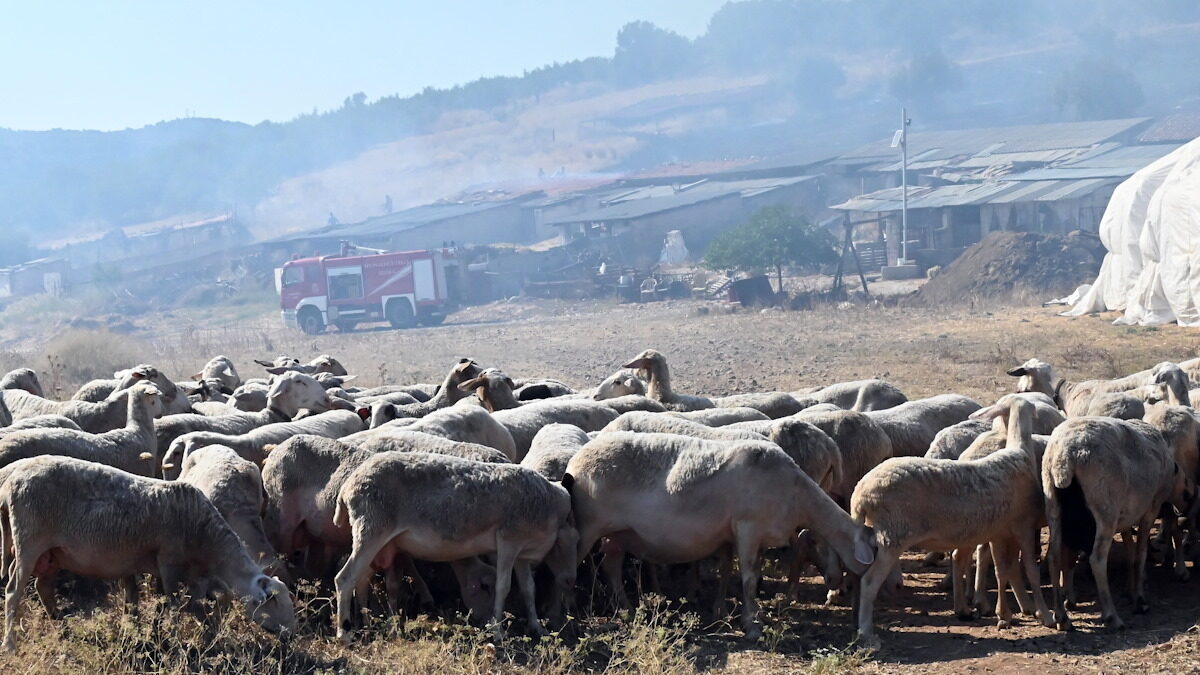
125,63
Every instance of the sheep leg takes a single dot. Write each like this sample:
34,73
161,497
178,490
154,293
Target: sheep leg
983,565
130,584
1175,535
750,563
1055,558
1028,544
724,571
867,588
44,583
611,565
418,583
961,559
358,565
529,594
1140,606
506,556
1001,552
18,578
1099,563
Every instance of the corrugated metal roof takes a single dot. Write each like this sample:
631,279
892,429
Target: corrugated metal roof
999,192
399,221
1181,127
636,208
931,145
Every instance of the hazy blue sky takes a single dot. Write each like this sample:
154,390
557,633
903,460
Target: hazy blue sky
118,64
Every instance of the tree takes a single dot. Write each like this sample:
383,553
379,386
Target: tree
646,53
774,237
1096,89
926,76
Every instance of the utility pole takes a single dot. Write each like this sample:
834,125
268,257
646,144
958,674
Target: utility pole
904,122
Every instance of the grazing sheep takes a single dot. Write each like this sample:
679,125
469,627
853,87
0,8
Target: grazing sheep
949,443
174,401
466,424
658,383
38,422
858,395
1180,428
22,378
132,448
322,364
95,418
552,448
1075,399
441,508
811,449
290,394
221,369
405,440
524,422
447,394
421,392
773,404
721,417
5,416
1118,405
862,443
631,402
532,389
250,445
206,391
624,382
234,486
657,423
673,499
97,521
1102,476
912,426
943,505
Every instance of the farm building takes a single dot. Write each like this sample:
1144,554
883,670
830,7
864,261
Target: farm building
634,220
1051,178
45,275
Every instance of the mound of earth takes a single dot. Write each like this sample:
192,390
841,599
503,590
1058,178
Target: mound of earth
1016,266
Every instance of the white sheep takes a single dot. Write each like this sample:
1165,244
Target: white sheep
658,383
670,499
22,378
467,424
552,448
441,508
951,505
858,395
1101,476
720,417
234,486
221,369
448,393
94,418
912,426
250,445
132,448
91,519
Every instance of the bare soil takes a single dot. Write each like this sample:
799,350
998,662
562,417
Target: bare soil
714,349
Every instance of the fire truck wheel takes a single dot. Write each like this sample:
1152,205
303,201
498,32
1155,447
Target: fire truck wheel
433,319
400,314
310,321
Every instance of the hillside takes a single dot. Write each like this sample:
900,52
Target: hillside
768,76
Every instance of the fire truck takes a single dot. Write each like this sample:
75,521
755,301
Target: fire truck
403,288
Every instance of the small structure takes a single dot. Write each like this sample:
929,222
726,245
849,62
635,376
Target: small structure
45,275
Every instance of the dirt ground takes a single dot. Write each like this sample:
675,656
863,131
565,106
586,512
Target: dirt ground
715,350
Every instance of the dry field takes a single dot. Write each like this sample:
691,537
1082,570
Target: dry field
925,351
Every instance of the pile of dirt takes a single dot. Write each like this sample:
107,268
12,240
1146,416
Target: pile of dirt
1016,266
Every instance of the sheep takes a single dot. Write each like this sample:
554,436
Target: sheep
671,499
98,390
1119,405
221,369
250,445
911,426
5,416
944,504
233,485
39,422
774,404
524,422
467,424
95,520
442,508
1180,428
1075,399
949,443
658,383
404,440
22,378
95,418
447,394
631,402
532,389
655,423
131,448
812,449
248,398
206,391
858,395
720,417
302,477
552,448
322,364
862,443
421,392
621,383
1101,476
290,393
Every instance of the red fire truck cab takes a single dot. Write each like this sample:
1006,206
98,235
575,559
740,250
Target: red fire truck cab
404,288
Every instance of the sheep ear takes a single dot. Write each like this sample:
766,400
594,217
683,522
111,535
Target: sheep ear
509,382
347,378
265,364
990,412
278,370
364,413
198,376
138,375
470,385
1019,371
636,363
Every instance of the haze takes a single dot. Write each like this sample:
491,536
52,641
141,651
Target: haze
80,65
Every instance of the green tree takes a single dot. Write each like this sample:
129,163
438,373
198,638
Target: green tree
646,53
774,237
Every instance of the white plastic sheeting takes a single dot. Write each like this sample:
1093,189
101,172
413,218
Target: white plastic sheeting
674,250
1151,229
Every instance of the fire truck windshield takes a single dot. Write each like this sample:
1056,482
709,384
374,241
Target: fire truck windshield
293,274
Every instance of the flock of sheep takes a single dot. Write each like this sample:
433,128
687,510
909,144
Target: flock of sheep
226,488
